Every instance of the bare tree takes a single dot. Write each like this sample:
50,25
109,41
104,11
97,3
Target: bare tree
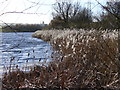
63,9
71,13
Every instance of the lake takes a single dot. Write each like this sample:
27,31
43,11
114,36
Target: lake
22,50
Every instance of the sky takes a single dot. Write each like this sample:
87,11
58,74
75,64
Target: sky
34,11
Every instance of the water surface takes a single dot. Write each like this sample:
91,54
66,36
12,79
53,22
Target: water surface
21,49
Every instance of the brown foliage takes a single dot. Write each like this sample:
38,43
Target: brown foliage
80,60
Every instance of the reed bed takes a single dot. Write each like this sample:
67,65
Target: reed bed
81,59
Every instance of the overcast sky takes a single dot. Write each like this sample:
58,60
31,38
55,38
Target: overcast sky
34,11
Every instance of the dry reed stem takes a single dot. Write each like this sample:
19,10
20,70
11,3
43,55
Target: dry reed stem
81,59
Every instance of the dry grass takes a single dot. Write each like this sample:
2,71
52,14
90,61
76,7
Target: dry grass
81,59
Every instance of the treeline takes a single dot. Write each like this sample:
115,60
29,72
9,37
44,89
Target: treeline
72,15
23,27
67,14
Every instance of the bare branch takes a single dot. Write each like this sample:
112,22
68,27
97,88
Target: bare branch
107,9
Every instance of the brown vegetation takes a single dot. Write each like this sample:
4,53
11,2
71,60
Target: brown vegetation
81,59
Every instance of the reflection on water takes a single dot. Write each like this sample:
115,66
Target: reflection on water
20,48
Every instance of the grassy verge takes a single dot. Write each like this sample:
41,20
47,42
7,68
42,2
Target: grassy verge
81,59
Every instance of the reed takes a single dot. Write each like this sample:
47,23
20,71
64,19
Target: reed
81,59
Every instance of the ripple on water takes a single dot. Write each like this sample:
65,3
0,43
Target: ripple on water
28,50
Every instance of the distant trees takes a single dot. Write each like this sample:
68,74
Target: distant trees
57,23
82,19
67,14
71,15
22,27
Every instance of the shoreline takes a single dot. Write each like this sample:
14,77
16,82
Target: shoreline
80,58
50,35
